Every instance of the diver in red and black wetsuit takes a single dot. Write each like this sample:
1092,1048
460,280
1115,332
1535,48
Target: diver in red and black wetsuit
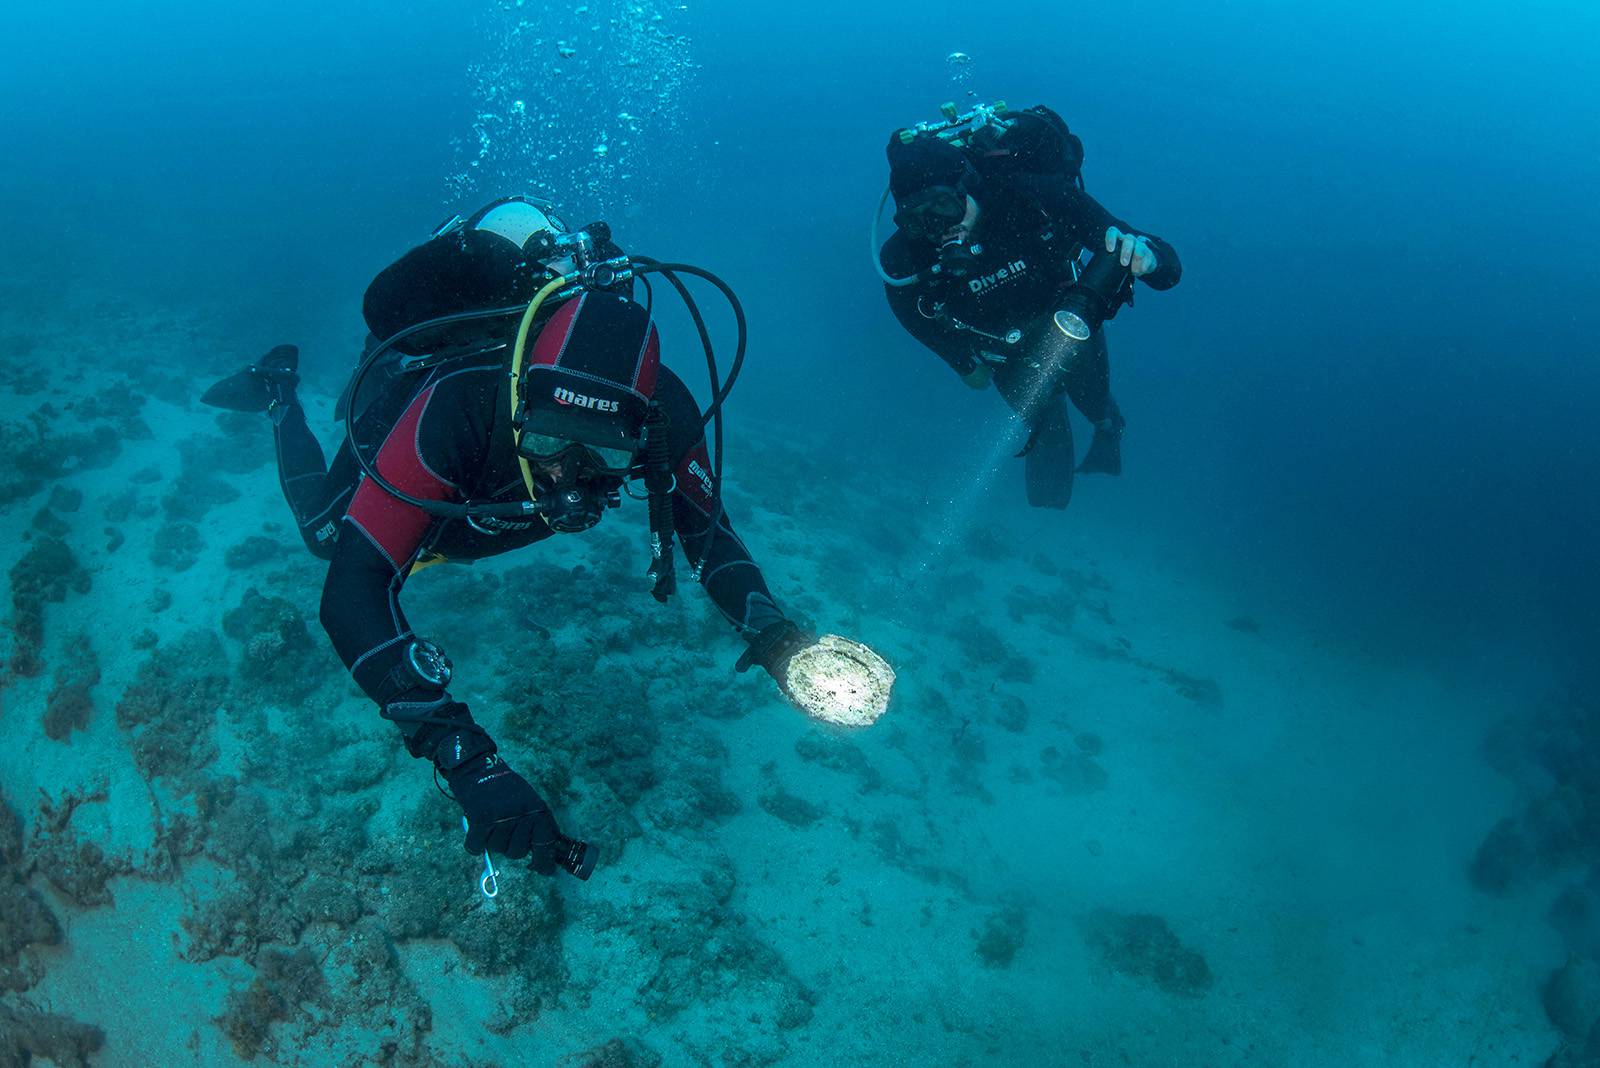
449,456
993,223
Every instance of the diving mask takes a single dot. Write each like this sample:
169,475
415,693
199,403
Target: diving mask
933,211
601,459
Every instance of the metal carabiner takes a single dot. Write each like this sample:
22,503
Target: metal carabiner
489,882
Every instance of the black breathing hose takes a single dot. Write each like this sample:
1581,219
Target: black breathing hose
719,389
649,295
445,509
642,265
658,484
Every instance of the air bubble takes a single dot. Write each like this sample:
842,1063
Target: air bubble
542,104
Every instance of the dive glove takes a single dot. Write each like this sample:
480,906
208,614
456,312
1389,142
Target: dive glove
504,814
773,648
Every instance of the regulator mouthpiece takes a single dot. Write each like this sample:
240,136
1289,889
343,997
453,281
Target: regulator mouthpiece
839,681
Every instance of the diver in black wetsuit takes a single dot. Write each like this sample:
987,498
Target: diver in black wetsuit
449,457
993,222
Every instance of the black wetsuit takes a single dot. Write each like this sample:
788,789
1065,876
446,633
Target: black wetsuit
1031,229
446,435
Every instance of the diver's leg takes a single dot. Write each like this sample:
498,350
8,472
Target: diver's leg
1087,379
317,495
312,492
1048,455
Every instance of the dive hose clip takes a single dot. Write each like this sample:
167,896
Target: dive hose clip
941,316
489,881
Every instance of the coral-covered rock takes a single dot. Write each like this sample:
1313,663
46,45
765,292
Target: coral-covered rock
49,524
618,1053
200,485
591,811
792,809
834,751
694,801
47,572
1142,946
171,707
1002,936
1576,914
69,705
28,1034
79,870
375,1000
67,709
1572,998
1076,772
254,550
176,546
10,837
284,985
1502,858
1553,752
25,920
1012,714
696,950
898,845
37,452
279,662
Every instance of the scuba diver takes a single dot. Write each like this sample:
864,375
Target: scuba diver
519,392
986,268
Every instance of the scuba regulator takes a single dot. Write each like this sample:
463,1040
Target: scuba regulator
573,505
567,266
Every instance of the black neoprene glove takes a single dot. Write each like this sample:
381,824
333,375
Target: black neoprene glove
504,814
773,648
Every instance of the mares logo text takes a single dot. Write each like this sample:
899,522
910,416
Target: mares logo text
578,400
700,473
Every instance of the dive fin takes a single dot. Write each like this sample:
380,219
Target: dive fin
1048,461
1105,453
258,386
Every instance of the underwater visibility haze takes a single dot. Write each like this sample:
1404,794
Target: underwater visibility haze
1269,737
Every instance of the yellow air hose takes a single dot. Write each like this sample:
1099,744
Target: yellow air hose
516,367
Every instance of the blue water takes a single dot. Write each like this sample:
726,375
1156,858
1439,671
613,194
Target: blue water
1362,424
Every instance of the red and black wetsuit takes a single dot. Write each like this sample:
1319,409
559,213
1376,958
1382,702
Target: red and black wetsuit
446,435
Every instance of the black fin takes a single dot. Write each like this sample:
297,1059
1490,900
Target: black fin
1048,461
1104,456
255,388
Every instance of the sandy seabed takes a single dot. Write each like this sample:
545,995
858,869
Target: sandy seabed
1115,816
